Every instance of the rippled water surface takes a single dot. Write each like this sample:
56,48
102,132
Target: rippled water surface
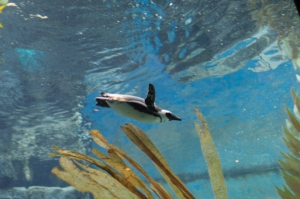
235,60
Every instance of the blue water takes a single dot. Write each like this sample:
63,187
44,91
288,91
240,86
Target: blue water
51,76
245,111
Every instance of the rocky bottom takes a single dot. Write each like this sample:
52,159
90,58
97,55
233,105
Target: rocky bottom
39,192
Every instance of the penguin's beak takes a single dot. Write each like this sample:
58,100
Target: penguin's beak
101,102
171,116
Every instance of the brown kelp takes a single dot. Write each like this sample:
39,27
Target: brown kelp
116,179
291,163
212,158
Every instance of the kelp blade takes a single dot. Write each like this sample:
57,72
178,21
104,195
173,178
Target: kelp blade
117,163
296,99
115,168
212,158
293,182
2,7
293,119
139,138
286,193
99,183
101,141
111,171
291,163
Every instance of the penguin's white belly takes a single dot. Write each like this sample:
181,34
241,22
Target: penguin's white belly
125,109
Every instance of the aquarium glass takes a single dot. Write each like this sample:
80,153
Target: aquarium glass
237,61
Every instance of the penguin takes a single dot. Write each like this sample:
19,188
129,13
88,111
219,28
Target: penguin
144,110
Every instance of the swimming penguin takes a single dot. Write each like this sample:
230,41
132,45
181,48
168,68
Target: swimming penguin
140,109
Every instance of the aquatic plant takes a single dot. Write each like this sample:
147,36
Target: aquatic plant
291,163
116,179
282,17
212,158
3,4
2,7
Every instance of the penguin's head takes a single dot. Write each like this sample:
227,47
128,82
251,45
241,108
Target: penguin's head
170,116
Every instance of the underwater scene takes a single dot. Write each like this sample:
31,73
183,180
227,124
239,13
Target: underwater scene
149,99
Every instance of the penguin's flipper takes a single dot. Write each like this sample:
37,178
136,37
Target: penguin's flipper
150,98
